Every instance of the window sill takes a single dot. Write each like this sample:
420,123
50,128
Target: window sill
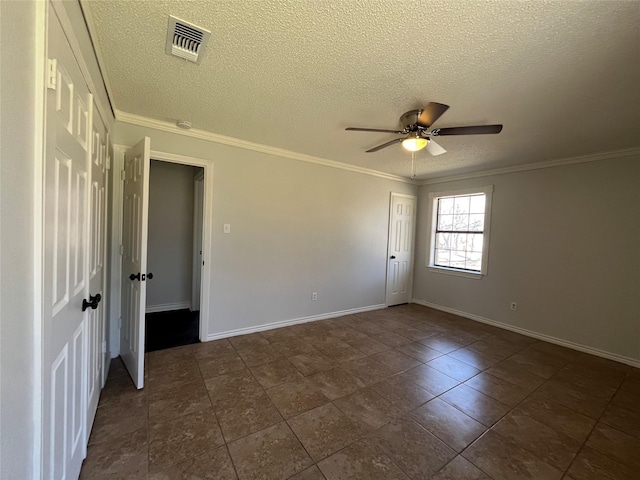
455,273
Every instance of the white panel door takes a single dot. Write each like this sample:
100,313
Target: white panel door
134,258
96,332
66,269
402,218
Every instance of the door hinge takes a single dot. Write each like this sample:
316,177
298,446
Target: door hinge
121,250
120,323
122,175
52,74
104,347
108,162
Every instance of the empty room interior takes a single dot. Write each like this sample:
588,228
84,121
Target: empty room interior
320,240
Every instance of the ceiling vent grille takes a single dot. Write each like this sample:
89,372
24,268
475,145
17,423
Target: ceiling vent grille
186,40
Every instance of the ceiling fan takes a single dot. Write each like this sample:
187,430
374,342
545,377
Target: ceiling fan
416,124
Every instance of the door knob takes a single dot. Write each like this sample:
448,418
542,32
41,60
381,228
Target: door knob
392,257
150,276
134,276
92,303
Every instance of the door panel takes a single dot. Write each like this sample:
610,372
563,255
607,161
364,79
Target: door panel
400,249
96,322
66,273
134,258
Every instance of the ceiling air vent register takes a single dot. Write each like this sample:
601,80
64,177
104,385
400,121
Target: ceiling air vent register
186,40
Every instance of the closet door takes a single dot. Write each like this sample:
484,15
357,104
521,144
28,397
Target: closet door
96,333
66,284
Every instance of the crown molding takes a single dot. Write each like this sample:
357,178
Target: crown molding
593,157
256,147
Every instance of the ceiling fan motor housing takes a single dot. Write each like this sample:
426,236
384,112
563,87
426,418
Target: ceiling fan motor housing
410,118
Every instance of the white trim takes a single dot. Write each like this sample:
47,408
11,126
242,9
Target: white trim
168,307
530,333
196,249
431,235
207,232
256,147
594,157
294,321
105,113
40,120
88,18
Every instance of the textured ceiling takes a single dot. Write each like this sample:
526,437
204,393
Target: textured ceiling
562,76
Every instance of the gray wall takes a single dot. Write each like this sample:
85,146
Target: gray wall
565,245
17,167
296,228
170,247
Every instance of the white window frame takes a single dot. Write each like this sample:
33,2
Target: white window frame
431,238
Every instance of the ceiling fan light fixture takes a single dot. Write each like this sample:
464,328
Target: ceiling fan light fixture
413,144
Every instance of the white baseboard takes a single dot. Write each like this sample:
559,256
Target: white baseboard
295,321
529,333
167,307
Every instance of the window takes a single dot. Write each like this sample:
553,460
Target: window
460,231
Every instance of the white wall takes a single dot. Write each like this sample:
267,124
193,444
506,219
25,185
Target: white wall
296,228
17,174
565,245
170,250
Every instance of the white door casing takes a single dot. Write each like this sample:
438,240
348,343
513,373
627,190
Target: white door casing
402,216
65,256
134,258
198,204
96,333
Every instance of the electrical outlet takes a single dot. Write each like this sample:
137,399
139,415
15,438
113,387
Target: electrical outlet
314,296
514,306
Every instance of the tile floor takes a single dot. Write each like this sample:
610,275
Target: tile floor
401,393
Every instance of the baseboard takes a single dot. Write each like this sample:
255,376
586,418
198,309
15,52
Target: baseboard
295,321
167,307
530,333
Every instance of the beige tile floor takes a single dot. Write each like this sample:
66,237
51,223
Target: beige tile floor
405,392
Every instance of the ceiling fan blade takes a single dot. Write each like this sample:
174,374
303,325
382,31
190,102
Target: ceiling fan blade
431,113
434,149
357,129
471,130
385,145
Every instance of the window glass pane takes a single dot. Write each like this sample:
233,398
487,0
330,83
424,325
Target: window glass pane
461,222
476,222
442,258
457,242
445,205
477,203
458,259
474,261
442,240
461,204
474,242
445,222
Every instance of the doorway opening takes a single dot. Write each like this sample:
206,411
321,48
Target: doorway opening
174,255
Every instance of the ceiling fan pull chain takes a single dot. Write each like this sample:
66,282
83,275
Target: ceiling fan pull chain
413,166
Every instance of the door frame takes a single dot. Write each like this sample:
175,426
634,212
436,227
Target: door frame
198,224
413,244
116,239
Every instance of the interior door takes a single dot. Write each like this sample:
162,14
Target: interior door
96,325
134,258
66,285
402,218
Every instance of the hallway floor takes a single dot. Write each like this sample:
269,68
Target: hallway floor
171,329
401,393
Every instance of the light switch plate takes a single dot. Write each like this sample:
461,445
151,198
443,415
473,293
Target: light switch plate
227,228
